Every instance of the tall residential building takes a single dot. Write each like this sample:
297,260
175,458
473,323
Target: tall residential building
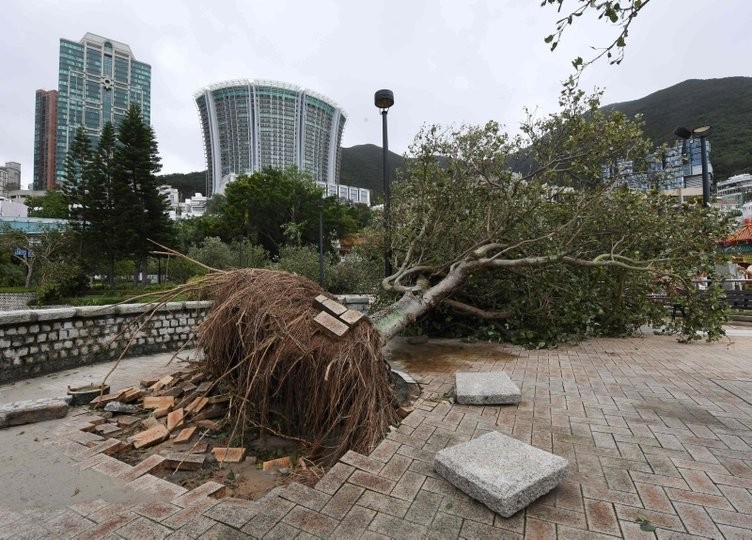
252,124
45,133
98,80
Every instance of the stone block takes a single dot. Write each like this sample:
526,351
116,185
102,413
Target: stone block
501,472
17,316
30,411
492,388
54,314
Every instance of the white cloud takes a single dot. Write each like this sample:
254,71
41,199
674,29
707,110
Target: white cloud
453,61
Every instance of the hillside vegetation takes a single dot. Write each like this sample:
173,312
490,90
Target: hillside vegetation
361,167
725,104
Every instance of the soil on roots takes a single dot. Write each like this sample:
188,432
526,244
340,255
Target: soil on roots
287,375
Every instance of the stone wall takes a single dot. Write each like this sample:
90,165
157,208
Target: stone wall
35,342
12,301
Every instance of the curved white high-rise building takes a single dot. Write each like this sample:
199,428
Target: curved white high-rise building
252,124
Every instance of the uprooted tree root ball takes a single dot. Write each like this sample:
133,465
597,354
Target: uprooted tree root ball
288,375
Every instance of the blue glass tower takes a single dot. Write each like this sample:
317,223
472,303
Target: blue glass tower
98,80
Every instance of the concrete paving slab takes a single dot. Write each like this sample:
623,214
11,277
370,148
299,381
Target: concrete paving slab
501,472
492,388
30,411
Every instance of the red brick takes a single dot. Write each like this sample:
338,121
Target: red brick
702,499
696,520
539,530
654,497
601,517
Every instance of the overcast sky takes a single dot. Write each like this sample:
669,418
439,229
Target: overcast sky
447,61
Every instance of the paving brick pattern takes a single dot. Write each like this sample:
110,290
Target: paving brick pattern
652,432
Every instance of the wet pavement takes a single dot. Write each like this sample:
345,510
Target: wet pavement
658,436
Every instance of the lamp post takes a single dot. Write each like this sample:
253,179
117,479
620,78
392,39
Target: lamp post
383,99
701,132
321,242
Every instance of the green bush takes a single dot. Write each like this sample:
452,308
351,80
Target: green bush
61,279
301,260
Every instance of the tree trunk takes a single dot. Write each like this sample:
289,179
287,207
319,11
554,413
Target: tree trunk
29,269
111,270
394,318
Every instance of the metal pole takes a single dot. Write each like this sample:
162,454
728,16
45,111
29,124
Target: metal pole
321,243
705,179
387,201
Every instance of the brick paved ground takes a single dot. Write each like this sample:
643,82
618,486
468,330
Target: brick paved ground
653,430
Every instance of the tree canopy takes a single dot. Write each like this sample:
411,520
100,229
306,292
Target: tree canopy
276,207
549,252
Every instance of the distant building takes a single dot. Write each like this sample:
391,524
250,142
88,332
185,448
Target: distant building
349,193
249,125
193,206
10,177
45,135
676,170
98,80
736,186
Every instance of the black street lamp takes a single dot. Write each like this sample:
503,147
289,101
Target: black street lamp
701,132
384,99
321,241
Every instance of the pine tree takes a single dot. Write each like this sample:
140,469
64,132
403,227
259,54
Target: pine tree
102,237
75,184
140,210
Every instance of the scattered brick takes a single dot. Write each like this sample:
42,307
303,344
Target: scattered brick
351,316
158,402
332,306
275,463
180,461
150,437
211,425
185,435
197,404
335,326
174,419
127,421
161,383
231,455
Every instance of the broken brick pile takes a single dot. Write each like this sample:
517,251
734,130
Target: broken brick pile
184,408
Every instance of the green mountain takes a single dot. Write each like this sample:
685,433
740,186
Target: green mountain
360,167
187,184
725,104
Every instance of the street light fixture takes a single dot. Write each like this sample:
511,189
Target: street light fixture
383,99
701,132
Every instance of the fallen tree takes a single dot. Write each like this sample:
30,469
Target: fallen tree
534,230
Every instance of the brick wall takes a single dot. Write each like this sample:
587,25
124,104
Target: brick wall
12,301
35,342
